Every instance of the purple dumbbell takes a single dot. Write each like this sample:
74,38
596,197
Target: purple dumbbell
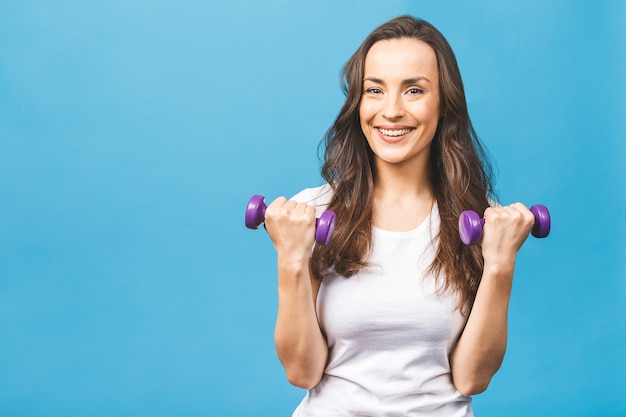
471,225
324,225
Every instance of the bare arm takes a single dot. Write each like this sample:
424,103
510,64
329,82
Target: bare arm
300,344
480,350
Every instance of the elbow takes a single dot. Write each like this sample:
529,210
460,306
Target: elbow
472,389
473,377
472,385
301,370
304,368
302,379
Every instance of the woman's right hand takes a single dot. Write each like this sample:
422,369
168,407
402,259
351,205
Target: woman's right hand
291,226
300,344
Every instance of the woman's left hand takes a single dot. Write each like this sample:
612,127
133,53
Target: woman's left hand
505,230
480,349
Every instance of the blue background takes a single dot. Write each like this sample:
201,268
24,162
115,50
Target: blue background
132,134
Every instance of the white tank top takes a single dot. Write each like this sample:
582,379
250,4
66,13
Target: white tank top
389,332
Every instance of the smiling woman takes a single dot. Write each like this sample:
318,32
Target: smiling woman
400,105
395,316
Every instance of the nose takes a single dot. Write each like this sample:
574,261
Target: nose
393,107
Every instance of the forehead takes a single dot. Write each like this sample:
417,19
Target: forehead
404,58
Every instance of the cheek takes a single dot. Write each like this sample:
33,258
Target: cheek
426,112
367,111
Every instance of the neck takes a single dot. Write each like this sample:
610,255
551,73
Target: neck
403,181
403,196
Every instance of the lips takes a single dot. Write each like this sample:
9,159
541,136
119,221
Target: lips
394,134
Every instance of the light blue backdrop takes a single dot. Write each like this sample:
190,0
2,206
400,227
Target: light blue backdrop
133,132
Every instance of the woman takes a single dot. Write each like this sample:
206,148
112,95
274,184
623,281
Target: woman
396,316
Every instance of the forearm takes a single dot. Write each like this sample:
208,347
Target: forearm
300,344
480,350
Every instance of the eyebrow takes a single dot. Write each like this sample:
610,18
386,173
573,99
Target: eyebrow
404,82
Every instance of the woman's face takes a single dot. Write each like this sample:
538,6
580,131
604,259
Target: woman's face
399,108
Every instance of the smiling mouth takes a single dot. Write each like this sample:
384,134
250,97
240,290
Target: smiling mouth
394,132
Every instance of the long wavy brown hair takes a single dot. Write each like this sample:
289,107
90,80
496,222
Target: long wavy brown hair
459,164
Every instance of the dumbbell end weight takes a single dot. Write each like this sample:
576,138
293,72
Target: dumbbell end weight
325,228
470,227
542,225
255,212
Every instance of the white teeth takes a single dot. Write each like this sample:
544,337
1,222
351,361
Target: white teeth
395,132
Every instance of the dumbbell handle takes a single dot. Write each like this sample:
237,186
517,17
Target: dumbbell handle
324,225
471,224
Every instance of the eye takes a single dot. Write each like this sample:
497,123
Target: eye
415,91
373,91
